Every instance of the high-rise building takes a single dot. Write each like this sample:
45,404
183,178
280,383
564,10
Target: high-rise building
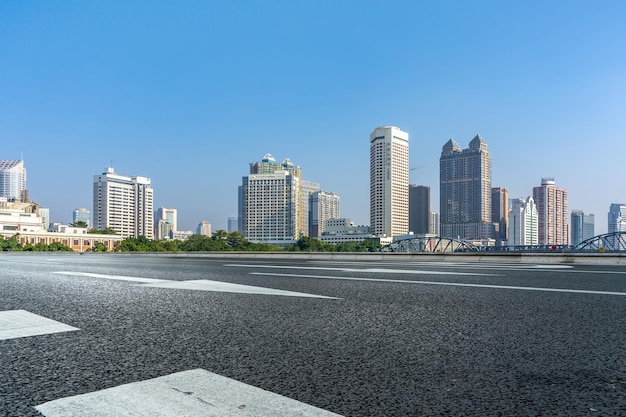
389,181
323,206
552,211
81,215
44,213
308,188
123,203
617,223
233,224
434,227
419,209
12,179
500,212
583,226
168,215
523,223
465,191
204,228
271,202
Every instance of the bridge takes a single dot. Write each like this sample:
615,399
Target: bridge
614,242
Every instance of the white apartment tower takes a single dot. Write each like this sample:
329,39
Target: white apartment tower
523,223
323,206
12,179
389,181
123,203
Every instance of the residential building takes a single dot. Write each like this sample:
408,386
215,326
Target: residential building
124,204
271,202
81,215
523,222
419,209
465,191
323,206
12,179
233,224
389,181
433,224
44,213
500,213
617,222
582,226
552,211
181,234
204,228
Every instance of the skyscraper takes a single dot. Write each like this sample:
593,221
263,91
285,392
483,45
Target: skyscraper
465,191
123,203
523,223
500,212
204,228
12,179
582,227
389,181
271,202
419,209
552,212
323,205
617,222
81,215
308,188
233,223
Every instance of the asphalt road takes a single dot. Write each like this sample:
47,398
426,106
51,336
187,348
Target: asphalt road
362,338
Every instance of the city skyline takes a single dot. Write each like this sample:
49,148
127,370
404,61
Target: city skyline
189,106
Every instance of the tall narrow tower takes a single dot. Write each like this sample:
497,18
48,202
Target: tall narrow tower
12,179
552,213
389,181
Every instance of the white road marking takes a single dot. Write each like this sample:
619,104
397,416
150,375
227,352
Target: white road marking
369,270
194,393
21,323
198,285
114,277
452,284
219,286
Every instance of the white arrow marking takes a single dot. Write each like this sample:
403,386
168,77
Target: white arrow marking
199,285
195,393
21,323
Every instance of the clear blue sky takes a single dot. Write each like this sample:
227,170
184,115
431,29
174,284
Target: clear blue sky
189,93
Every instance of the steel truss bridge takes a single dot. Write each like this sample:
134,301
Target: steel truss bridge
607,243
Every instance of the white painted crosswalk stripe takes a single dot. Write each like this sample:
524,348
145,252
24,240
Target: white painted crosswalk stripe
21,323
194,393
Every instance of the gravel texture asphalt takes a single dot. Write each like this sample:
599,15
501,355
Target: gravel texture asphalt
382,348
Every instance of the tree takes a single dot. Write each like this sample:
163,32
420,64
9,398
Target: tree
79,223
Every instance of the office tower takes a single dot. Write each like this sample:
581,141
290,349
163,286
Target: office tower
308,188
465,191
271,202
523,223
500,212
582,227
233,224
12,179
81,215
419,209
204,228
169,215
389,181
123,203
433,224
44,213
164,229
552,211
617,223
323,205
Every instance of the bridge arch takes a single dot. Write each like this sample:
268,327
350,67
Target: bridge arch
609,242
429,244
